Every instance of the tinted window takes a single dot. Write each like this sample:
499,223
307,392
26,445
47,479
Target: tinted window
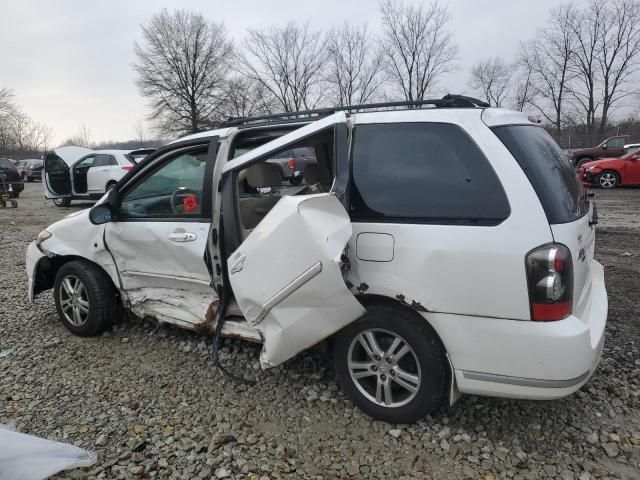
426,172
175,190
104,160
616,143
563,198
4,163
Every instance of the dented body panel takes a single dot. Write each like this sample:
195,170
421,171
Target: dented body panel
287,279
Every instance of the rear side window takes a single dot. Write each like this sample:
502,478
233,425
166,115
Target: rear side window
423,173
563,198
104,160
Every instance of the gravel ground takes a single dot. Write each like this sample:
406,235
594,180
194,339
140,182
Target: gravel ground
148,401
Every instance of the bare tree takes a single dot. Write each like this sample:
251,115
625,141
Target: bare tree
245,97
548,58
619,51
81,139
417,47
355,66
288,61
181,66
524,91
492,77
140,132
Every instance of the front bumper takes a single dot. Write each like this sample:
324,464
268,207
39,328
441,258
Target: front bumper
524,359
34,255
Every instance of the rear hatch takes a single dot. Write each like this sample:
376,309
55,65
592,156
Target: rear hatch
564,199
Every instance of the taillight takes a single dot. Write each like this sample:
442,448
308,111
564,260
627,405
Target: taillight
292,164
127,167
550,282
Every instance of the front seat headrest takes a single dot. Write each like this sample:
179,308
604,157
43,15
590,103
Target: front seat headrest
264,174
316,173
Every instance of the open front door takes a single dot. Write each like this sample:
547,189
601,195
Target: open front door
56,179
286,273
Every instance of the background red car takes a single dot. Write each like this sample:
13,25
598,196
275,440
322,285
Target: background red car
612,172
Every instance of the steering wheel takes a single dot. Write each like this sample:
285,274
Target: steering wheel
183,192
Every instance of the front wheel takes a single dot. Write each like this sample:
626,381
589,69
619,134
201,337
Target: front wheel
392,365
582,161
85,298
62,202
608,180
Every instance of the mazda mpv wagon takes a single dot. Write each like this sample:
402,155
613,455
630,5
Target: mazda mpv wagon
442,249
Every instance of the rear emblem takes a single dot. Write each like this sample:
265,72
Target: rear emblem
582,255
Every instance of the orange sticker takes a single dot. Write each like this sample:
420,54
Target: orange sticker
190,203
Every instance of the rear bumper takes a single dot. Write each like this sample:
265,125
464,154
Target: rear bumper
37,174
524,359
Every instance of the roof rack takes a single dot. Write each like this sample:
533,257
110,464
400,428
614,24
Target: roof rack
448,101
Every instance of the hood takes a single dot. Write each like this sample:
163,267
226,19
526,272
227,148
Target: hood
599,162
71,154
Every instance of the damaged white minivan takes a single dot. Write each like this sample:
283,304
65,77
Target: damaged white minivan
442,249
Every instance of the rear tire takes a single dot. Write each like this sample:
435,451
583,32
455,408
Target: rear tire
401,376
29,179
608,179
62,202
86,300
109,185
295,181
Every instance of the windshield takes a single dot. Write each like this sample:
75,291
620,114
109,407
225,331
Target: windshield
562,196
633,151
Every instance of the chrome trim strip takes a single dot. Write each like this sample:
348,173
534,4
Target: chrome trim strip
524,382
297,282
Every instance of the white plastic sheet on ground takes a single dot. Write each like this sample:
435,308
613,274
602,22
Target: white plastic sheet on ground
26,457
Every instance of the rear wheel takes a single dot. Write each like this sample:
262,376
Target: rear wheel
85,298
295,180
583,160
608,179
392,365
109,185
62,202
29,179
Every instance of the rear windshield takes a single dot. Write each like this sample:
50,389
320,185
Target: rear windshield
563,198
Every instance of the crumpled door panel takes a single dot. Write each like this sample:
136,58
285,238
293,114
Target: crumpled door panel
286,276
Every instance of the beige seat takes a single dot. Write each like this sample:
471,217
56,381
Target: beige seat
254,209
317,176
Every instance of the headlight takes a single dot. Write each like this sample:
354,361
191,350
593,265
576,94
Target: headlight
590,169
42,236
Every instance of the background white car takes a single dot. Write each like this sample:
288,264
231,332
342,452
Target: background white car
80,173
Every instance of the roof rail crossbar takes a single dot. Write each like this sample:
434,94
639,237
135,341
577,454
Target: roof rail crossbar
448,101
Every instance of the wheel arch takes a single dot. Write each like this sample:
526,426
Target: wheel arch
47,268
419,312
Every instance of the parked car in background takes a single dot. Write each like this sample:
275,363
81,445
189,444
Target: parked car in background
11,181
387,259
136,156
88,176
292,163
629,147
32,170
612,172
611,147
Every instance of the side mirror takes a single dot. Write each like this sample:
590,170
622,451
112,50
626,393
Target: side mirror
100,214
604,147
106,211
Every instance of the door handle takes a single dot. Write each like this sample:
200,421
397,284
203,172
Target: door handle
182,236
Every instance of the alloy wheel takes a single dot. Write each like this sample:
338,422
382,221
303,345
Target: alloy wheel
607,180
384,368
74,300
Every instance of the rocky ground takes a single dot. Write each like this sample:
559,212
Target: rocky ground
148,401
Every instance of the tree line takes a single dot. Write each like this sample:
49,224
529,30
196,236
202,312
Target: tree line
194,76
20,135
578,71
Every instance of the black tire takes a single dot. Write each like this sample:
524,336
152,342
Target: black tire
295,181
428,358
582,161
608,179
103,306
29,179
109,185
62,202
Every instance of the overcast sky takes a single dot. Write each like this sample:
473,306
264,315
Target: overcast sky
69,61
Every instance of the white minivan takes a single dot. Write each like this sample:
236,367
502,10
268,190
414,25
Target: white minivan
440,250
77,173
